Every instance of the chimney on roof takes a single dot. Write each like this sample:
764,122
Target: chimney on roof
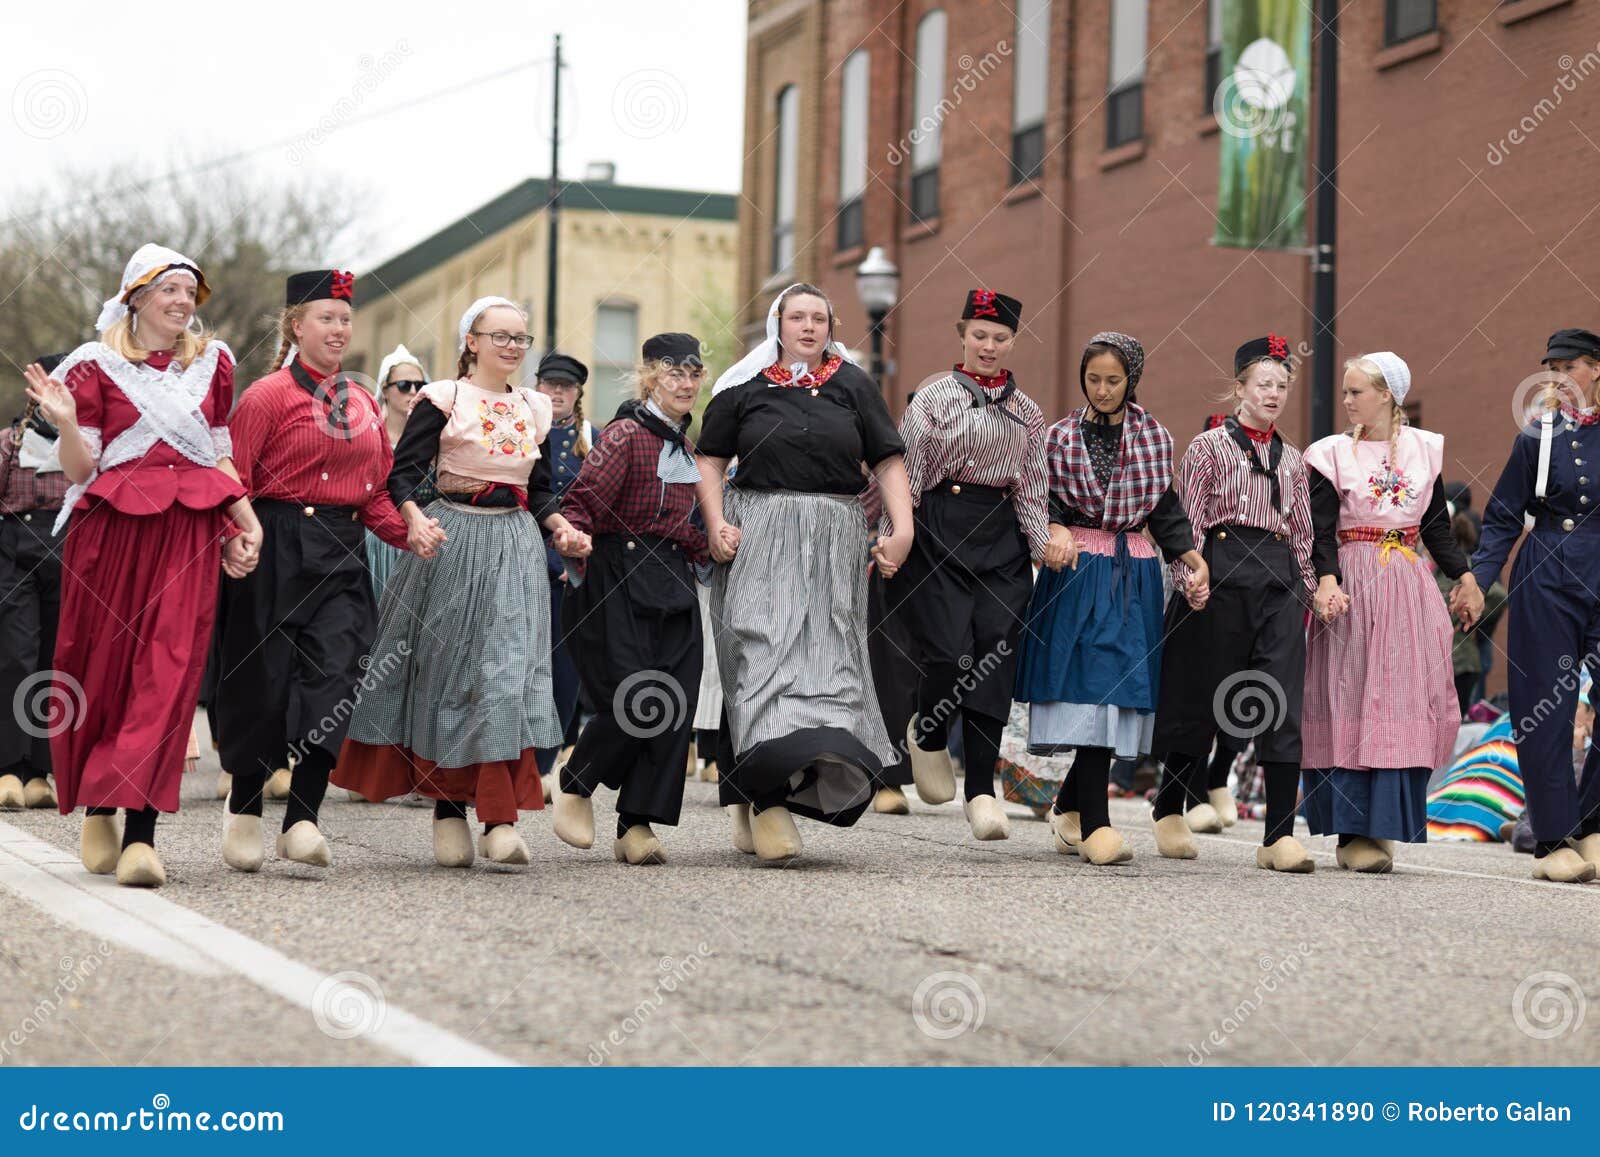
600,173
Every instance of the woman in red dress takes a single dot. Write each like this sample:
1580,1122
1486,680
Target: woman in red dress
144,438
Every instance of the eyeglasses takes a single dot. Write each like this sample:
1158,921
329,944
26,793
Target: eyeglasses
407,386
501,338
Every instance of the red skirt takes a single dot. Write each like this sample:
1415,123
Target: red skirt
138,596
497,790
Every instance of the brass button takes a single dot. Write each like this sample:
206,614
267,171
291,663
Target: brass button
1574,443
1577,461
27,518
630,544
955,488
309,511
1567,524
1583,499
1222,534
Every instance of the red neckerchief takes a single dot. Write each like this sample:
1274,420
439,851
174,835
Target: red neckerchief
1582,418
989,383
779,374
1259,437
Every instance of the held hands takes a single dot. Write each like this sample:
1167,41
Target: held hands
1198,589
570,542
54,400
1330,601
890,552
723,541
424,536
1062,550
1466,602
242,552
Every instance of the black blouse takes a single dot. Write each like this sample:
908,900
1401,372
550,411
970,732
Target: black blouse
800,439
418,447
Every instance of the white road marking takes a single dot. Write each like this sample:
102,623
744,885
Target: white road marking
53,880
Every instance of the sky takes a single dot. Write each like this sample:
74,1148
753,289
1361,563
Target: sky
435,107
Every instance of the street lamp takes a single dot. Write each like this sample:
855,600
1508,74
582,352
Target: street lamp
878,284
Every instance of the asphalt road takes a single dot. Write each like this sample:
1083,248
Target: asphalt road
901,941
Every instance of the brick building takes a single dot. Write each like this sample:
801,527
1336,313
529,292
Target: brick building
1072,161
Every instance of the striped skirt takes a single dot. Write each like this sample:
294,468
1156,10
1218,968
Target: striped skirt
790,619
458,682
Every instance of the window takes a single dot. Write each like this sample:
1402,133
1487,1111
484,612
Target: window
852,147
787,174
1404,19
1125,97
929,105
1213,51
1029,88
616,344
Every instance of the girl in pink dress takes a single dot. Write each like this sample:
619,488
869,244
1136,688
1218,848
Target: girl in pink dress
1380,706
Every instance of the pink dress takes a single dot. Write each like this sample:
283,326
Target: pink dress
1379,682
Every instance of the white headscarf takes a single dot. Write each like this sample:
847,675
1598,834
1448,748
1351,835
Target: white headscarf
1396,374
474,311
766,354
399,356
151,264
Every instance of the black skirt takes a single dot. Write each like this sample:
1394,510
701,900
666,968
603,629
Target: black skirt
1236,670
294,633
30,605
633,630
963,595
894,675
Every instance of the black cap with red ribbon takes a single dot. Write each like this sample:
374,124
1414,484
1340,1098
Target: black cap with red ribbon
987,305
320,285
1258,349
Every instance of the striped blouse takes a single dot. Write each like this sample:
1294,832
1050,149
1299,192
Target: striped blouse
1219,488
948,436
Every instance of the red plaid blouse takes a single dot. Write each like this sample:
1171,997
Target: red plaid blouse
618,492
1144,472
27,490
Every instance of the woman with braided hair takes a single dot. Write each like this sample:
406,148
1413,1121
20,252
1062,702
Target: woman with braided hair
1091,646
1380,698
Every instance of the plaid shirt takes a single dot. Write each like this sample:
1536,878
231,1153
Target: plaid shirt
27,490
1144,470
618,492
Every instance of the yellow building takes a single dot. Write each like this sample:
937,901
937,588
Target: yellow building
632,261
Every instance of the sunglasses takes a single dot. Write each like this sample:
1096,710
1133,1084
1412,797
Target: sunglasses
406,387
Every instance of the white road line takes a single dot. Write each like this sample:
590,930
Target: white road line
54,881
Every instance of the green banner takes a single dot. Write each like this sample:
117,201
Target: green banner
1262,109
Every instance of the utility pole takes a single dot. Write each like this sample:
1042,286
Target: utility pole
1324,296
553,205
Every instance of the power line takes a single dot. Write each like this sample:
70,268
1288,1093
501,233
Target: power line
230,159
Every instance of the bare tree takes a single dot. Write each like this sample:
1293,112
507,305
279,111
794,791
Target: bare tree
63,247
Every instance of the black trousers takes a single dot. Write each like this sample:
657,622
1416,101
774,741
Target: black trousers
295,633
633,629
30,607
